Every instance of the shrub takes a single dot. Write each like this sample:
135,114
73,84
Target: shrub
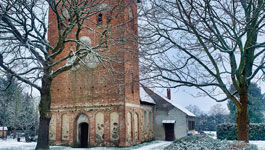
203,142
228,131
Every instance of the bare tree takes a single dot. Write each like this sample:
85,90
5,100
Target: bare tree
206,44
195,110
29,56
218,109
8,93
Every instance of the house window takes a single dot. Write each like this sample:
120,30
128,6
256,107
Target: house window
145,120
191,125
99,19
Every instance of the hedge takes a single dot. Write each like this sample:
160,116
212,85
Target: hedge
228,131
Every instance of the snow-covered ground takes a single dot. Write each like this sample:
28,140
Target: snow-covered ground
12,144
260,144
211,134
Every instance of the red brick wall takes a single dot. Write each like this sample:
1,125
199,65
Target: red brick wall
90,91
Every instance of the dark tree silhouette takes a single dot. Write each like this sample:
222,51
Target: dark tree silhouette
27,55
206,44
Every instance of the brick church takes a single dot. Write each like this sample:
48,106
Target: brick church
93,105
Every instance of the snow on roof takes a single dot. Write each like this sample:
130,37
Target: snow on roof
186,111
144,97
169,121
1,128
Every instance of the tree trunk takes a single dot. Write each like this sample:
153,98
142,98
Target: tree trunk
3,132
242,119
45,114
4,119
14,133
43,134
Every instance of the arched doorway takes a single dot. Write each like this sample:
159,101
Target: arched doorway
82,128
83,134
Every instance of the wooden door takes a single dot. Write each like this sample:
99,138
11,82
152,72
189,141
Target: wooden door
169,131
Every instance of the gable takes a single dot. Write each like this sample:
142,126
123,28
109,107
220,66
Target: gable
164,103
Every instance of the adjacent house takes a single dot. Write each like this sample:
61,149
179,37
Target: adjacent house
3,132
171,121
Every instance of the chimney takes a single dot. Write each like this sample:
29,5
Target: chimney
168,93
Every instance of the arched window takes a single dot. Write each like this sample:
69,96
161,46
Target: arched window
52,130
145,120
129,125
114,127
100,128
136,133
100,19
65,127
132,84
150,120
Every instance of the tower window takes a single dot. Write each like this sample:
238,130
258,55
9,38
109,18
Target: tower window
132,84
108,20
99,19
130,13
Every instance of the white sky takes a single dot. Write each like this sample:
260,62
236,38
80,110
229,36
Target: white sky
183,97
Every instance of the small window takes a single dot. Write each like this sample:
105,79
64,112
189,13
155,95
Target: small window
108,20
99,19
130,13
191,125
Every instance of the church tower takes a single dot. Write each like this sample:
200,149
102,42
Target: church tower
97,103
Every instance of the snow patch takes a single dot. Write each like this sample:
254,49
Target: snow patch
260,144
12,144
144,97
160,145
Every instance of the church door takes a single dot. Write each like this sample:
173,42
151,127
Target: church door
83,138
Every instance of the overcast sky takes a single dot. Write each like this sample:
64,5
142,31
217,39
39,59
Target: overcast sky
183,97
